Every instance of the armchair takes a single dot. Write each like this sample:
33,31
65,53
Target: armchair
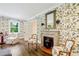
32,41
65,50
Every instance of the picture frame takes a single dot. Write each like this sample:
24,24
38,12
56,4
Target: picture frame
50,19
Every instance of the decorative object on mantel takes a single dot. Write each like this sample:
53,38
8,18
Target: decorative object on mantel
49,27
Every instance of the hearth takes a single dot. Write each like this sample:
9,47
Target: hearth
48,42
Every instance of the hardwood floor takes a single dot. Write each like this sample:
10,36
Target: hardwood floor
47,50
37,52
31,51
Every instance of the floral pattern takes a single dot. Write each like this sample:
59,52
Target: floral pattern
68,14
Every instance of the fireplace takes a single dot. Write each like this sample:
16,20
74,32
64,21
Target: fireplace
49,39
48,42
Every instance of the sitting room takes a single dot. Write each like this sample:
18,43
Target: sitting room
39,29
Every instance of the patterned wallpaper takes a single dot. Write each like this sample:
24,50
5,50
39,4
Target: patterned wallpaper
40,19
4,25
68,14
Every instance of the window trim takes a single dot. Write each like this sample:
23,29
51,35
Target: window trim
10,26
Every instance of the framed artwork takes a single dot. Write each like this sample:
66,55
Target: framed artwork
50,19
14,26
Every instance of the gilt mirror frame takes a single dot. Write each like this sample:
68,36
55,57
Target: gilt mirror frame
50,23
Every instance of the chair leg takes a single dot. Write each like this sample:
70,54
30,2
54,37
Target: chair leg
69,54
28,45
60,52
1,46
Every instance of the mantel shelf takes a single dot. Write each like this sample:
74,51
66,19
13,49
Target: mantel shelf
53,30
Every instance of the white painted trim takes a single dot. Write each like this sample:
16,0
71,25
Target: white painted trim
51,30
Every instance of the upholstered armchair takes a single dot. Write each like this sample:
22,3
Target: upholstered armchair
19,47
9,38
65,49
32,41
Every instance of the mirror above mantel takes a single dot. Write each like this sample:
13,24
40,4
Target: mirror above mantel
50,20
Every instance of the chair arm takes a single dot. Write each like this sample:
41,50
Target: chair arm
61,53
56,49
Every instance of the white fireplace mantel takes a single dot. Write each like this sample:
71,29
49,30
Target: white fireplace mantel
51,30
51,33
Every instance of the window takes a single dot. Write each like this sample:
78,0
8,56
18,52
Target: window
14,26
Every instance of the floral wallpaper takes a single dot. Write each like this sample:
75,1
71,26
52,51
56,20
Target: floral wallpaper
4,25
68,14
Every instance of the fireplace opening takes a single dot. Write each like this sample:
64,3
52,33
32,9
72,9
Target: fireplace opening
48,42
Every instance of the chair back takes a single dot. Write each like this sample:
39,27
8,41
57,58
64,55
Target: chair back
34,36
69,45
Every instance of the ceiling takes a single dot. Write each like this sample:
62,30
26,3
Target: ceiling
23,10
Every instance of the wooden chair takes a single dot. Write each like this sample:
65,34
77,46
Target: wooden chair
66,49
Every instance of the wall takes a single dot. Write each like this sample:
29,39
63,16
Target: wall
4,26
68,14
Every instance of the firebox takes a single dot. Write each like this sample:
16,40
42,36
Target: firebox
48,42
